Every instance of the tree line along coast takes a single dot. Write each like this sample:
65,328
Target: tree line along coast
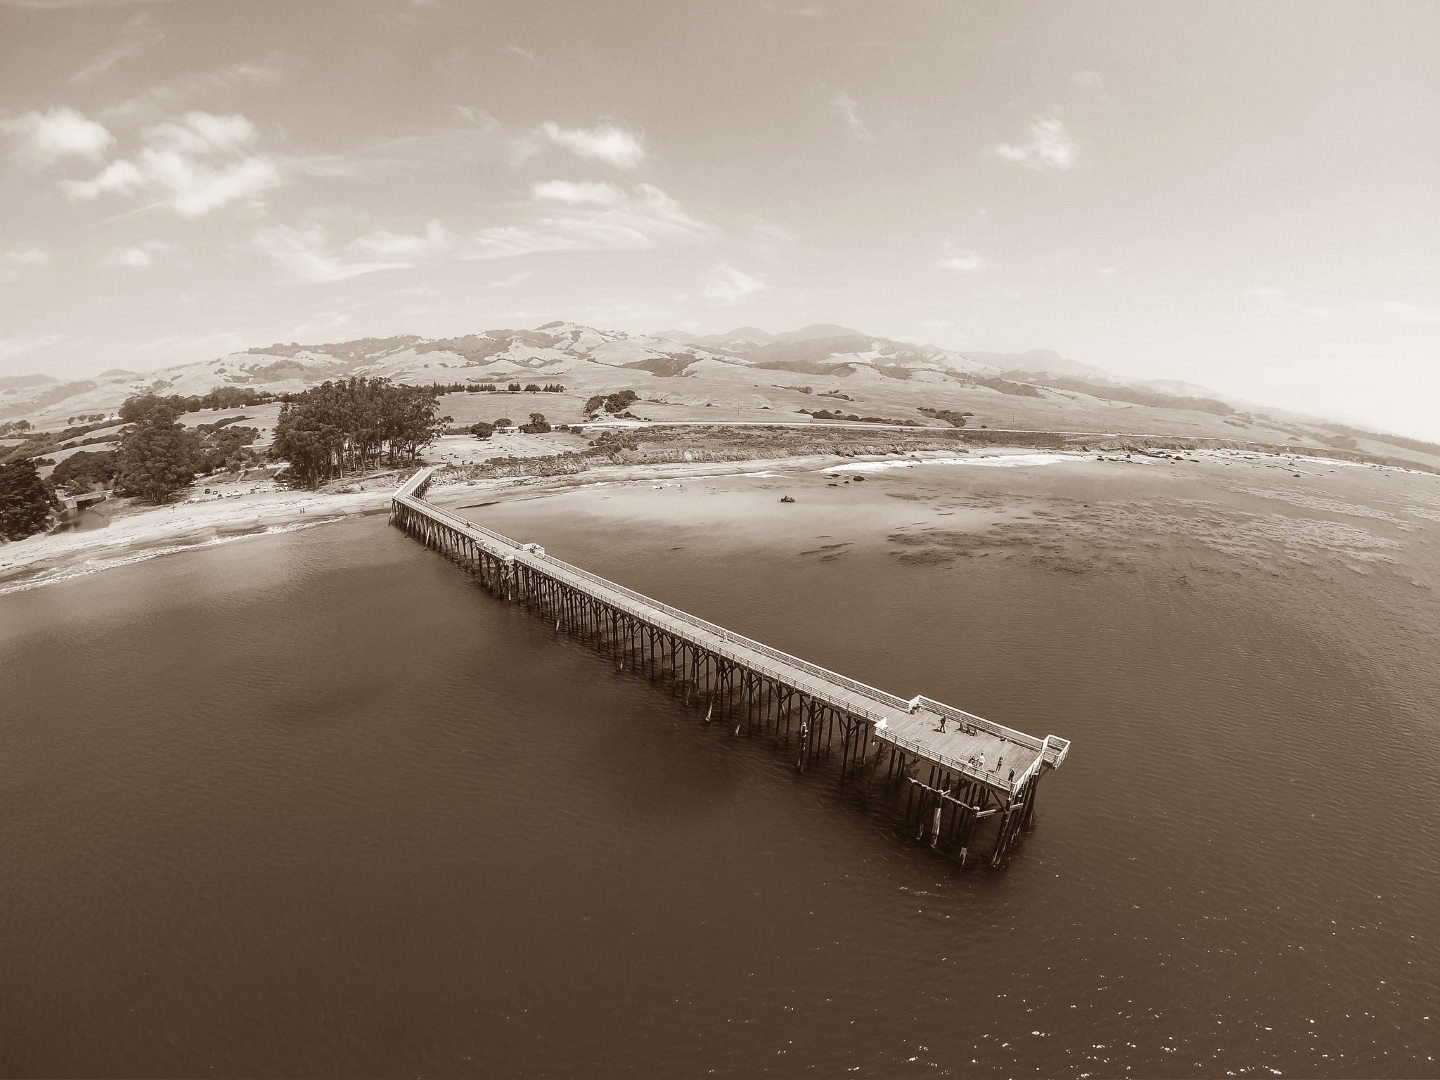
337,429
330,430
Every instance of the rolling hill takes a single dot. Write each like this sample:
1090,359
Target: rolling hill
742,374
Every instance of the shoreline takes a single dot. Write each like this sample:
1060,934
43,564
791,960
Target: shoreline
137,534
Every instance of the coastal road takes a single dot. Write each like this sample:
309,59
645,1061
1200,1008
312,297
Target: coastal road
630,425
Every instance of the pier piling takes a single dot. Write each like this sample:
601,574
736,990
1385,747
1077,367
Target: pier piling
757,688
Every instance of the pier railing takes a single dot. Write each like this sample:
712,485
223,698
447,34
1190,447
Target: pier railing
878,696
1050,751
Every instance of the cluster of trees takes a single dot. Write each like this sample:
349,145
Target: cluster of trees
1015,389
158,456
85,470
224,397
462,388
14,427
615,404
227,447
39,443
72,421
950,416
538,425
615,442
26,501
827,414
491,388
350,426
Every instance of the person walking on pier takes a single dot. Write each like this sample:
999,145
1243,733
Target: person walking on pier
941,728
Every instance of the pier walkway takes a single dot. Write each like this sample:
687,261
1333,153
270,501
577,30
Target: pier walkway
954,781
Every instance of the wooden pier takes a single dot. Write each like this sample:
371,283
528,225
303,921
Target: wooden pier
967,790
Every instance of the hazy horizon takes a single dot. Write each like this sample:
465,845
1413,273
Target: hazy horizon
1237,196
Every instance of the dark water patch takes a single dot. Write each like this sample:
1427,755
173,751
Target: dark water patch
314,805
827,551
84,521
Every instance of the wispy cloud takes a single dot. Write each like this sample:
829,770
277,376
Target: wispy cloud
968,262
1049,148
188,90
138,35
18,257
511,280
185,348
645,218
203,133
435,240
562,216
304,254
849,111
1279,301
516,50
19,346
60,5
131,257
321,325
28,256
195,165
1273,298
46,137
118,178
577,193
474,116
606,142
728,283
136,256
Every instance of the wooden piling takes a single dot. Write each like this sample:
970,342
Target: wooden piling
759,689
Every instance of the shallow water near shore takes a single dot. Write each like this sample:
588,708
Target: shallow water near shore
313,804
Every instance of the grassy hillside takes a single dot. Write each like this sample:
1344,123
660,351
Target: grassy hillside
749,375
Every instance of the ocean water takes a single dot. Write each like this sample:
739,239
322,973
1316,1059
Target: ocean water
313,804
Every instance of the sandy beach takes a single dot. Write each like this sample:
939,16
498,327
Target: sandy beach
121,532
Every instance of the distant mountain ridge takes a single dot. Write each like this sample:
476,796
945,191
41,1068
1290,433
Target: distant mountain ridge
553,349
560,351
743,372
21,382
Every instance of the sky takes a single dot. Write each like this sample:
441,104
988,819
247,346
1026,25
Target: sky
1244,196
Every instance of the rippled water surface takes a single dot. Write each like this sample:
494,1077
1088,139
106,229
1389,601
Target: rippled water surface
313,805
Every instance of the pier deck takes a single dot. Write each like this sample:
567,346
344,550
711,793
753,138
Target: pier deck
974,761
